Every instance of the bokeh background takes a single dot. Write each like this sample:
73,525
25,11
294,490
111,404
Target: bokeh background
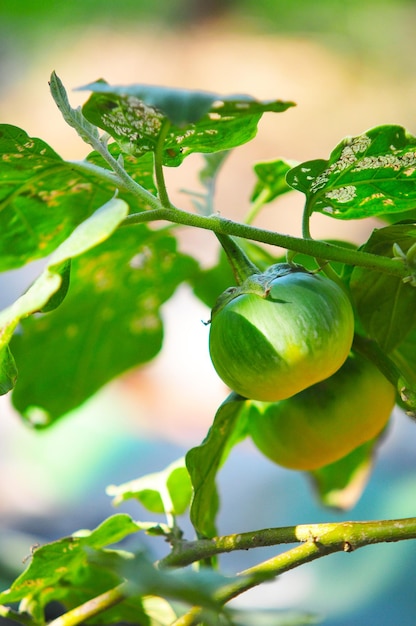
350,65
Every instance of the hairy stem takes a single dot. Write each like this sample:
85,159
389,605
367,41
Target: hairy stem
89,133
241,265
311,247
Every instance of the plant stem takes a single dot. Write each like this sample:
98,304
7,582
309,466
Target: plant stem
318,540
334,535
257,205
158,161
92,607
306,232
22,618
190,618
311,247
89,133
241,265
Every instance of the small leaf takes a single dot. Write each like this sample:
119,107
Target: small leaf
368,175
385,304
108,323
200,121
168,491
271,179
341,484
204,461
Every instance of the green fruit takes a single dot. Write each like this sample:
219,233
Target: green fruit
280,332
326,421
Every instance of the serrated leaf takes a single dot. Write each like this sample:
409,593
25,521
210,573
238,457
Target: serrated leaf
385,304
367,175
108,323
168,491
271,179
341,484
42,198
199,121
53,282
204,461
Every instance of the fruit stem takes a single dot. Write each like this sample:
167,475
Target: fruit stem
241,265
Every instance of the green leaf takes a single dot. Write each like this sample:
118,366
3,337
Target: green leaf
385,304
204,462
404,356
64,570
140,169
80,568
73,117
271,179
108,323
42,198
48,291
169,491
341,484
8,370
199,121
371,174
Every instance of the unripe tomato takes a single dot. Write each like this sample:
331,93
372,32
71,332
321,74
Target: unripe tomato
280,332
326,421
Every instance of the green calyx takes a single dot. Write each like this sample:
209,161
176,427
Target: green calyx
258,284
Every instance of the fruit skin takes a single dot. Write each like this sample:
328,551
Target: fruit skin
280,332
327,421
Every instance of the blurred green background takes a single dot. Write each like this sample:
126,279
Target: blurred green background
349,65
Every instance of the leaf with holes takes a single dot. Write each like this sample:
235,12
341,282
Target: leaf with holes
367,175
42,198
198,121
